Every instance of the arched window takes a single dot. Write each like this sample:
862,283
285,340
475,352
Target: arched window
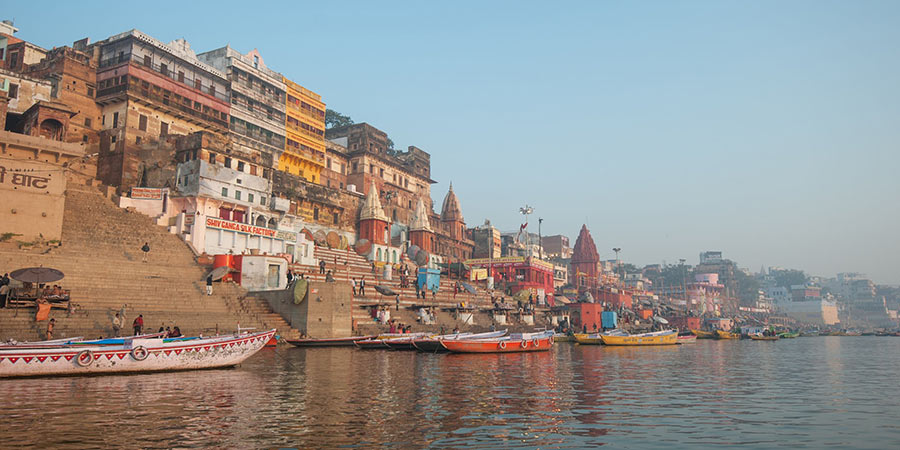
260,221
273,224
394,256
51,129
378,255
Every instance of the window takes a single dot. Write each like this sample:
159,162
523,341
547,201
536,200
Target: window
147,61
240,166
180,76
83,138
13,90
337,218
163,128
262,200
212,89
137,140
237,195
142,123
115,123
328,163
103,119
87,121
224,192
212,158
228,162
315,213
163,69
250,198
198,83
90,92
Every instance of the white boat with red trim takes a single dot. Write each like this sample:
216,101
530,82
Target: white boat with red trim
134,355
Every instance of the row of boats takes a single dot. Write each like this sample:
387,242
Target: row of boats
489,342
721,334
144,353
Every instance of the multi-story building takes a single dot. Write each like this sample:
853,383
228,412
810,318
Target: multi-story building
556,246
257,124
488,243
15,54
304,150
72,73
147,90
334,175
401,177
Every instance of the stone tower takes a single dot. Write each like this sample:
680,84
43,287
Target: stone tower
584,261
420,231
373,223
451,216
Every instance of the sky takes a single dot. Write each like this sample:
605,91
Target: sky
768,130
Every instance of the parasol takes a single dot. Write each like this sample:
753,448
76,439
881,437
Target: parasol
363,247
412,251
422,258
218,273
384,290
37,275
469,288
333,239
319,237
660,320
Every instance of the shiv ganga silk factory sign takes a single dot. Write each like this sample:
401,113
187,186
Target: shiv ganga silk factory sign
222,224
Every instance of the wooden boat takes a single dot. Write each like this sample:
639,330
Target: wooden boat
687,339
759,337
704,334
788,335
433,344
371,344
514,343
135,355
726,335
595,338
405,342
669,337
333,342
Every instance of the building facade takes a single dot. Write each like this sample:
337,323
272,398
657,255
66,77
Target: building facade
304,150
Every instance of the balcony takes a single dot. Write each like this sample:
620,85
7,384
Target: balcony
188,82
134,90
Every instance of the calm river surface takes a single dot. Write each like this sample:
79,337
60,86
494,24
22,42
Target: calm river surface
800,393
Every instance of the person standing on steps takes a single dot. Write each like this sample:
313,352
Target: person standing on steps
50,326
209,285
146,250
138,324
398,302
353,285
321,267
362,287
117,325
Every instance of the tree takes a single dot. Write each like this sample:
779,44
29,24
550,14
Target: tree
335,119
789,277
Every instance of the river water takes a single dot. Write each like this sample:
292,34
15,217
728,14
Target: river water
799,393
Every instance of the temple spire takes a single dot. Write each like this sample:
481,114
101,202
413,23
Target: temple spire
372,208
420,220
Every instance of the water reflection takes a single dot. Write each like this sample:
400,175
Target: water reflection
810,393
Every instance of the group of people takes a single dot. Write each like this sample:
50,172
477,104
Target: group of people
426,316
359,287
381,314
399,328
137,325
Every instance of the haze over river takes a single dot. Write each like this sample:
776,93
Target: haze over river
797,393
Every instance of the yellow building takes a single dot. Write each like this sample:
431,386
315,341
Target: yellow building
304,149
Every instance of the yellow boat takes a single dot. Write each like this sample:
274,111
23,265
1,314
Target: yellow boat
588,339
704,334
726,335
658,338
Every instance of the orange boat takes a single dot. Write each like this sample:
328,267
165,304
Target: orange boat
514,343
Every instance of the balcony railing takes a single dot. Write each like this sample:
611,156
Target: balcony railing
135,89
184,79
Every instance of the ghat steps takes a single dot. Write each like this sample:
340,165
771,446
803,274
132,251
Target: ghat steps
101,257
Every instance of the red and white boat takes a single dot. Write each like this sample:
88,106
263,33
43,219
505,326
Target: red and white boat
514,343
134,355
687,339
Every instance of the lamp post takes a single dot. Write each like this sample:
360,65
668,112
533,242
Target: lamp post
540,240
617,250
525,211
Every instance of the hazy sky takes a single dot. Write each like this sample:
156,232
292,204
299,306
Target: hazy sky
768,130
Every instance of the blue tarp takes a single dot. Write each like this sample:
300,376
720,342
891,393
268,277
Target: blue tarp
608,319
429,278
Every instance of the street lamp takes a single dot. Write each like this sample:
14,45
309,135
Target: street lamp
540,240
525,211
617,250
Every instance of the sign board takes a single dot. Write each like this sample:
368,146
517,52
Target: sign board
510,261
222,224
146,193
189,219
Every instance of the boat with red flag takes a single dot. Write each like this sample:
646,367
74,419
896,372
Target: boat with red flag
514,343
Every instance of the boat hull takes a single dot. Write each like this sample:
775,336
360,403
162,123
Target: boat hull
588,339
371,344
541,344
641,340
726,335
207,353
704,334
687,339
337,342
763,338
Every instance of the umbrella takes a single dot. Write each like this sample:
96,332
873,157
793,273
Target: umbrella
219,272
363,246
333,239
384,290
412,251
469,288
37,275
660,320
422,258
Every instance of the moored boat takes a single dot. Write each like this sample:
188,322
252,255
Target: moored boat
687,339
433,344
514,343
704,334
668,337
726,335
788,335
760,337
596,338
135,355
333,342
